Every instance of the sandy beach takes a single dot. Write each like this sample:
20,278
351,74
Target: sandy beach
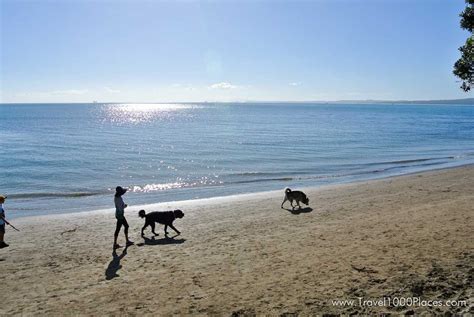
403,237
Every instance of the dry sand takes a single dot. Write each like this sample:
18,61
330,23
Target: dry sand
402,237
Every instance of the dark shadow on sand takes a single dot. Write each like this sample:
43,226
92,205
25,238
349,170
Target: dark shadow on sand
163,241
299,210
114,265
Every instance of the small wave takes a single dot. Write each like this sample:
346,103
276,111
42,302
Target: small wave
402,164
413,160
290,178
260,180
461,156
408,166
408,161
254,174
248,174
54,195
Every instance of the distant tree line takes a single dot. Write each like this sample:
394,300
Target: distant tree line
464,67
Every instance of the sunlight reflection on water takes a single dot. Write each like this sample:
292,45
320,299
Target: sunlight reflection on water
136,113
180,183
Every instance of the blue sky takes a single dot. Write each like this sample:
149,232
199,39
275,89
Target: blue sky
161,51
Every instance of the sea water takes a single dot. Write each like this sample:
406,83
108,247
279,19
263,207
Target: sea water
58,158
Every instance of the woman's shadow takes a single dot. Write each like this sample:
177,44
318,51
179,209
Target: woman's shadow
114,265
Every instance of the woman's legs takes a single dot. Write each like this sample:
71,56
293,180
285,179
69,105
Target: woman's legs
125,230
121,222
2,233
117,230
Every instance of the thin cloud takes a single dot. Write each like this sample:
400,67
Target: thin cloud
184,87
111,90
294,84
223,85
69,92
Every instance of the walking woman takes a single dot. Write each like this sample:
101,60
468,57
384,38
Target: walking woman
120,216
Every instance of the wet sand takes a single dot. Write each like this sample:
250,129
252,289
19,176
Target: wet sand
401,237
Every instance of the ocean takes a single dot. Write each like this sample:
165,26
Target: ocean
60,158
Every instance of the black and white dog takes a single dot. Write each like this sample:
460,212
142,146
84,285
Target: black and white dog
295,195
164,217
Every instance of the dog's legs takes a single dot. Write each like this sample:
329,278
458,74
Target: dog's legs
172,227
292,207
298,203
166,230
153,229
284,200
143,229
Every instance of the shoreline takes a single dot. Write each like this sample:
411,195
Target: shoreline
407,236
168,205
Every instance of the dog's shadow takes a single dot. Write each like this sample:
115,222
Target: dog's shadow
162,241
299,210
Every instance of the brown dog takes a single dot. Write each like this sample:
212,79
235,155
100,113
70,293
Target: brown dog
164,217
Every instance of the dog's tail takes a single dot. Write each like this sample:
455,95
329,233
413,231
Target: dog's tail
141,213
287,190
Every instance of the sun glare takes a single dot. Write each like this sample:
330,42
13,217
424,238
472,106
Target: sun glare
139,113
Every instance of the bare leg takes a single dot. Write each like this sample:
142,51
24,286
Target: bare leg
117,230
125,231
2,243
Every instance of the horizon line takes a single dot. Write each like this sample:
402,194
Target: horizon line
468,99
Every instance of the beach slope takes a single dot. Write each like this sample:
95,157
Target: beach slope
403,237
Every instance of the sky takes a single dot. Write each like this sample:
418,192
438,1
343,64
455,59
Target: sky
193,51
